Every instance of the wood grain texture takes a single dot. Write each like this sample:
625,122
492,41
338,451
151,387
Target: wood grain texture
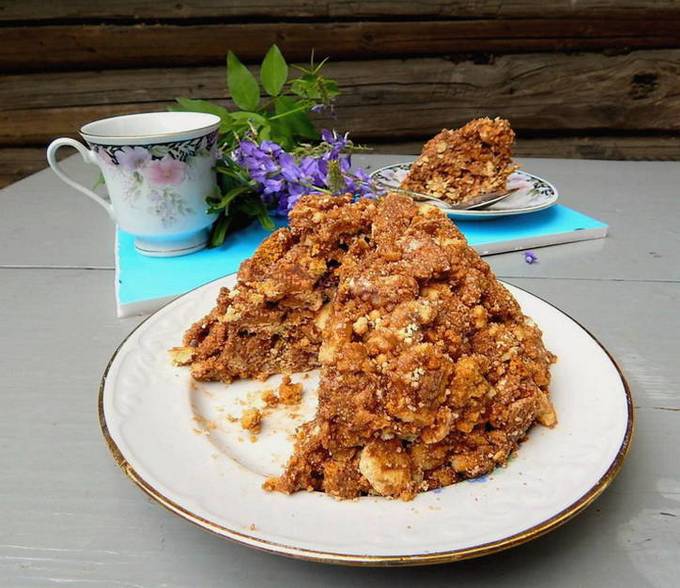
19,162
38,10
106,46
387,99
636,148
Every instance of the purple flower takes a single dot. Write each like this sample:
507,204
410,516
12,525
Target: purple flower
361,175
530,257
327,136
271,147
337,143
282,179
289,168
271,185
247,148
308,165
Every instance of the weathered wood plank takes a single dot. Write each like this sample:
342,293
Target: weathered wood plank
643,148
384,99
19,162
39,10
107,46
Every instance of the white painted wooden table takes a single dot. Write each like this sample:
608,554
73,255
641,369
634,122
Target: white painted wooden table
69,517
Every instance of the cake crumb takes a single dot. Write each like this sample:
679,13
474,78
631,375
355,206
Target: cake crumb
182,355
251,420
204,424
290,393
270,398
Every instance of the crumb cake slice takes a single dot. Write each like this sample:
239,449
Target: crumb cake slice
430,371
271,321
457,166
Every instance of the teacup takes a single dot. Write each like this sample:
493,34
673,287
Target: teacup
158,167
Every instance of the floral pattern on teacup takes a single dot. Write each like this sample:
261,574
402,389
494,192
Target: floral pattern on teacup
166,171
151,173
167,205
132,187
181,150
132,158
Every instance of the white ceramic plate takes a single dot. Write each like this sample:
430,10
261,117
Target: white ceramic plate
532,193
175,440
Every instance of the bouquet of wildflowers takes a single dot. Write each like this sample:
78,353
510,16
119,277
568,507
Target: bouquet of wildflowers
271,152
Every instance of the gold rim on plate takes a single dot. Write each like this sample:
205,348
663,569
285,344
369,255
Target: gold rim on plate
378,560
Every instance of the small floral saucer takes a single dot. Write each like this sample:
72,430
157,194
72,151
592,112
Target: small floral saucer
532,193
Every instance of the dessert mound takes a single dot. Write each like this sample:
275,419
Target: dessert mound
457,166
430,373
271,321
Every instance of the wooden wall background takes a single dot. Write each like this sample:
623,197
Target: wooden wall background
577,78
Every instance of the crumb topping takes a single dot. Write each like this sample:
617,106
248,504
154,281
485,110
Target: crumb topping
251,420
430,372
289,393
459,165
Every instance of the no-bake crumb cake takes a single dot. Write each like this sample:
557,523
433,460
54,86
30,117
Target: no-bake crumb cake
457,166
430,372
271,322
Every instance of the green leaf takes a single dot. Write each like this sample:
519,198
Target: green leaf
274,71
331,87
190,105
284,105
246,116
266,221
223,203
219,231
243,86
253,206
306,86
293,114
282,134
315,87
265,133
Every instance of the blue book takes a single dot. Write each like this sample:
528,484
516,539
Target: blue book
144,284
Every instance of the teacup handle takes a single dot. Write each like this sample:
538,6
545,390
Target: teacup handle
88,156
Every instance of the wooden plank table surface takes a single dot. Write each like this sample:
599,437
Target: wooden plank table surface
69,517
